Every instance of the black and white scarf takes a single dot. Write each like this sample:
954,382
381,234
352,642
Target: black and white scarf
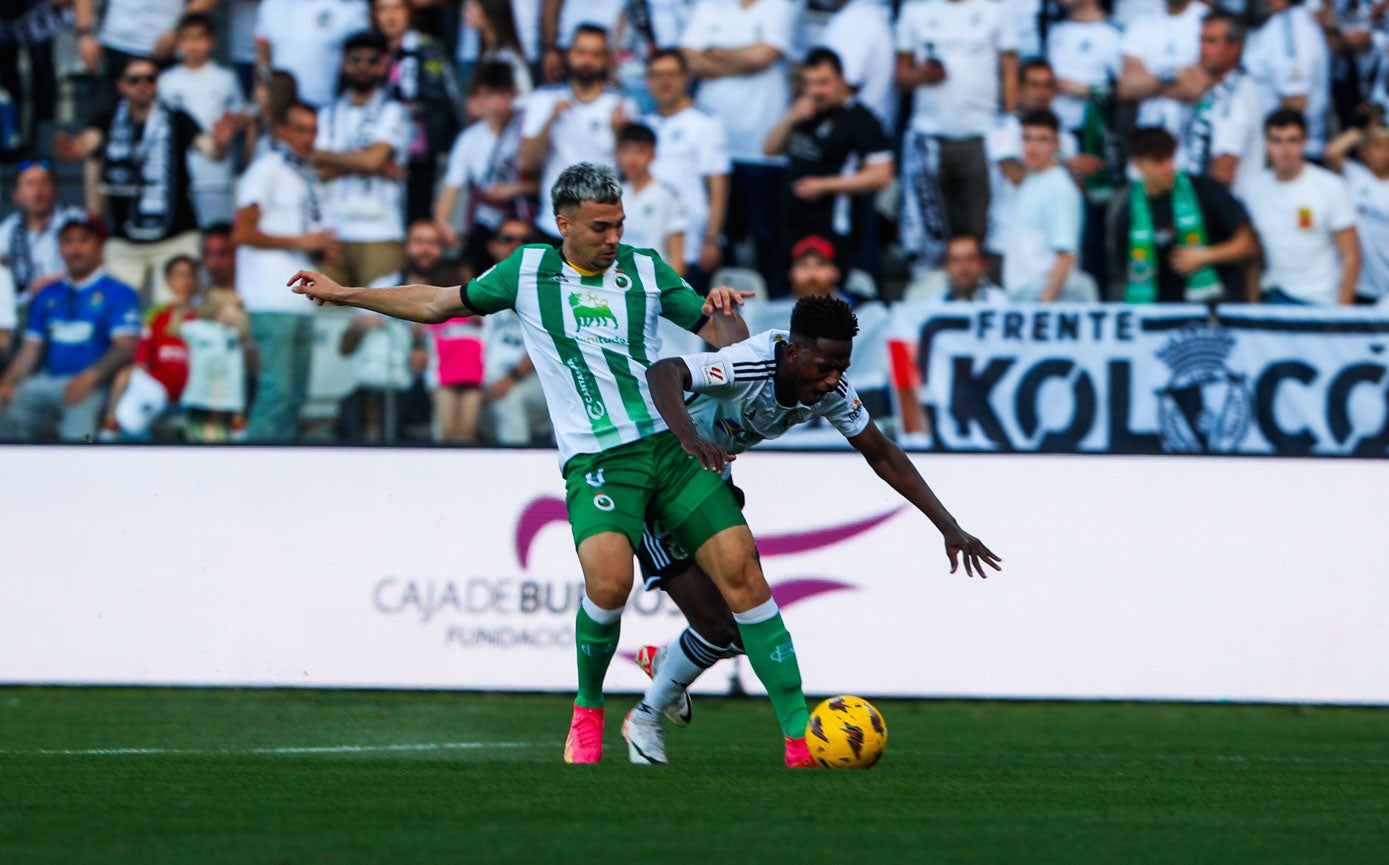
143,171
1200,126
19,257
313,206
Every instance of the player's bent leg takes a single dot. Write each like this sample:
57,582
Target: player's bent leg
729,557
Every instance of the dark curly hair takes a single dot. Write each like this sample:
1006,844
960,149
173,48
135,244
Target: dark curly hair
816,317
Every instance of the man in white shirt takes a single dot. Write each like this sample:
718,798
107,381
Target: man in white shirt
1160,72
29,235
1367,179
1224,140
1305,221
959,57
361,149
1289,59
1044,234
860,32
1086,53
573,122
692,156
208,92
655,215
738,49
279,229
485,165
305,38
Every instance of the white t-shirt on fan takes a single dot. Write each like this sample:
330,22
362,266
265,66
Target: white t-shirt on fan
748,105
362,208
861,34
691,145
470,167
1295,221
205,94
134,26
584,133
283,195
1288,57
1047,215
306,37
1370,195
967,37
653,215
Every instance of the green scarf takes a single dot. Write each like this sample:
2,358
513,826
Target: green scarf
1201,286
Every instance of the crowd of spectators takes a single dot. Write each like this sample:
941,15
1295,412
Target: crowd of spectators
983,151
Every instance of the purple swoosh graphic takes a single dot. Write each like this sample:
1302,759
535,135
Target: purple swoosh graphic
537,515
800,542
548,509
790,592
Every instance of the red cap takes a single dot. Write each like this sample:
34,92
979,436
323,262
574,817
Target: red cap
87,221
812,245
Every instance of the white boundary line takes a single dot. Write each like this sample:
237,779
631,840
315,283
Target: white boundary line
195,752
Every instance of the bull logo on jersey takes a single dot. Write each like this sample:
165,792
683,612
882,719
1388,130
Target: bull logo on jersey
1205,408
594,313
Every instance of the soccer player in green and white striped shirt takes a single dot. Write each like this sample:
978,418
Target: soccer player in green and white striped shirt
588,313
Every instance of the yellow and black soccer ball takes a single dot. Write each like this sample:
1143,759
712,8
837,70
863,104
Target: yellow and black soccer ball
846,733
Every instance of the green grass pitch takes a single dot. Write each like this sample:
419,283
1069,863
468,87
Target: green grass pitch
108,775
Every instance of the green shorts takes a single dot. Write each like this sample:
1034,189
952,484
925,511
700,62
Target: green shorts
619,489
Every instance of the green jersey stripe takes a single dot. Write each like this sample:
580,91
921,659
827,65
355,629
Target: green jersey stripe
551,303
636,321
633,399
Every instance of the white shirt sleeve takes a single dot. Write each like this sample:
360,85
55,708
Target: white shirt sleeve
1065,215
253,187
904,32
696,35
1006,31
1230,130
848,414
1340,212
710,372
536,113
713,149
9,312
779,25
1004,141
456,175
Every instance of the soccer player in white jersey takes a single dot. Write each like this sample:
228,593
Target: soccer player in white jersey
751,391
588,314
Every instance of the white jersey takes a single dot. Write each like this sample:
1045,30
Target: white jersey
736,406
591,337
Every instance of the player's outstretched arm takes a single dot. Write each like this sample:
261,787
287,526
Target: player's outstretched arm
669,379
893,466
429,304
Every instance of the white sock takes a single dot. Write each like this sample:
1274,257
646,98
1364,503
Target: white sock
678,671
600,615
760,613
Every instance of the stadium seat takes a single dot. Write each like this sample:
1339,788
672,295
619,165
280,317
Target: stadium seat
741,279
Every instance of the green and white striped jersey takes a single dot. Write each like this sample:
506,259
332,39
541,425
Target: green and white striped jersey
591,338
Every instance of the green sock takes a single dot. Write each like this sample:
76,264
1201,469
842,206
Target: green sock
773,659
596,644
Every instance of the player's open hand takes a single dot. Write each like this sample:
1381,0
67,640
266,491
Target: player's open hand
724,300
959,543
316,287
710,455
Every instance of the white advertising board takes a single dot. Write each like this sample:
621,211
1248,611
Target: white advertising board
1200,578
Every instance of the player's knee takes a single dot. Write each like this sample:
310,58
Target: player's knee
609,592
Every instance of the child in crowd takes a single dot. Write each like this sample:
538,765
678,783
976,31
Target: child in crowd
210,94
655,216
144,391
